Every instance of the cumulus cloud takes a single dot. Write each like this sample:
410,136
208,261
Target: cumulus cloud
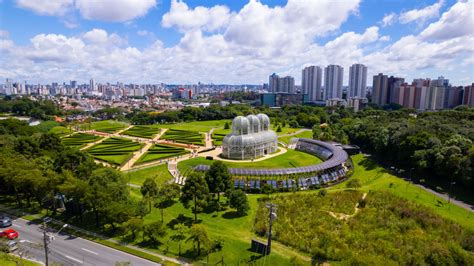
105,10
46,7
457,21
114,10
278,39
421,15
388,20
185,19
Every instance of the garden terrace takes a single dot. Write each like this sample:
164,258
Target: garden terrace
160,152
106,126
79,140
114,150
147,132
183,136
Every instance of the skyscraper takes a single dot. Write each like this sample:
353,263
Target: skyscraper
273,83
468,96
92,85
286,84
357,80
380,89
311,82
333,75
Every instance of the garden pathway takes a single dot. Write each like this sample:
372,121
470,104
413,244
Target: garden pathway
129,164
345,217
294,133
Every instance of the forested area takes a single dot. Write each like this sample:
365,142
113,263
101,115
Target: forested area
41,109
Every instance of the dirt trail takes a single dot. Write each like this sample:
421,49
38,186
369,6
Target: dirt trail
345,217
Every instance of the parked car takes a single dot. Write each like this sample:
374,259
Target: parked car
9,233
5,221
12,245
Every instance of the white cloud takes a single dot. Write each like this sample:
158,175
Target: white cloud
388,20
421,15
46,7
114,10
457,21
4,34
105,10
256,41
186,19
143,33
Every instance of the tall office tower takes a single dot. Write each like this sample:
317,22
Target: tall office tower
380,92
311,83
468,95
8,87
357,80
273,83
73,84
333,75
286,84
92,85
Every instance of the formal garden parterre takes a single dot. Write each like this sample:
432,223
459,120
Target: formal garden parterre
142,131
183,136
160,152
116,151
79,140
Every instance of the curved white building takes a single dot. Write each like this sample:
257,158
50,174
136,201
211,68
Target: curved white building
251,138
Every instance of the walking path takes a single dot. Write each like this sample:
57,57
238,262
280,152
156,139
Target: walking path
130,163
294,133
345,217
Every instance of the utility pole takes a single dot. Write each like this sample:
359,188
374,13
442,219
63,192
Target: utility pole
272,216
45,242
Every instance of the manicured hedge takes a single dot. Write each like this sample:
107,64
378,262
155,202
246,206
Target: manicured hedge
78,140
161,151
142,131
183,136
114,150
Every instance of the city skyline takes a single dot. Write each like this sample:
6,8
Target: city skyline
232,42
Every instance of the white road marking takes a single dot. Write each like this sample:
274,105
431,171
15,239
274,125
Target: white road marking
74,259
90,251
25,240
15,225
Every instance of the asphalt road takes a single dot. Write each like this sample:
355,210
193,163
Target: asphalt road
68,250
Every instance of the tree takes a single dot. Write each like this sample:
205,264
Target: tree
155,231
181,231
278,128
166,197
226,125
134,225
198,235
195,190
218,178
149,190
238,200
267,189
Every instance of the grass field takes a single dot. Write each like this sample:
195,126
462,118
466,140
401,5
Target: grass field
374,177
159,172
284,130
79,140
183,136
114,150
140,131
159,152
46,126
10,260
290,158
60,130
106,126
198,126
218,135
304,134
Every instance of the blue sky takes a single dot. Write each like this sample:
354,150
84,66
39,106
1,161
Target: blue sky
232,41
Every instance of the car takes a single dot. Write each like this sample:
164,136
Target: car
9,233
12,245
5,221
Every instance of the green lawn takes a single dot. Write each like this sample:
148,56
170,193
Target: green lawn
218,135
304,134
160,172
60,130
46,126
107,126
159,152
184,136
145,131
284,130
114,150
198,126
374,177
290,158
235,231
10,260
79,140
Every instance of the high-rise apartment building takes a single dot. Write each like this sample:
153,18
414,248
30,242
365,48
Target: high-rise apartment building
92,85
311,83
273,82
357,80
380,95
468,95
281,85
333,75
